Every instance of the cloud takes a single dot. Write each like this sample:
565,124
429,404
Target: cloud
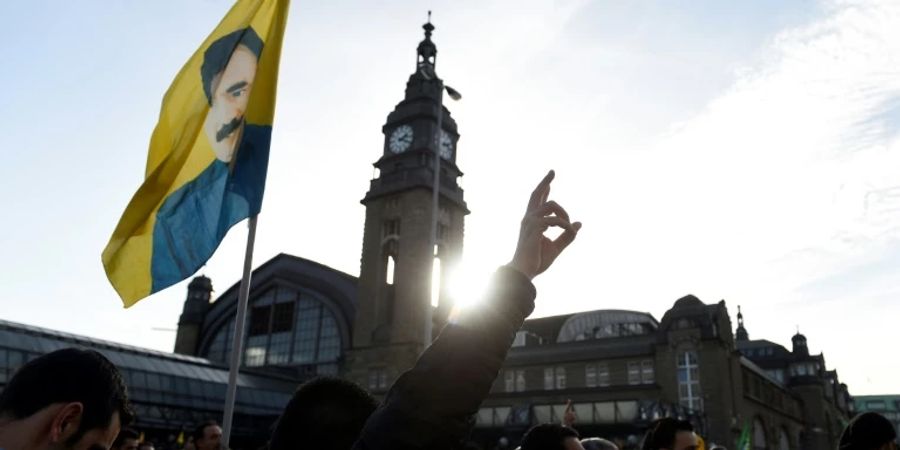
790,178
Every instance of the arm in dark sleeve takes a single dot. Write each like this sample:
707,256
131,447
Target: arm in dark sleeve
431,405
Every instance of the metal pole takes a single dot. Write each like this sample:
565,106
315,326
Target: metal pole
238,344
435,189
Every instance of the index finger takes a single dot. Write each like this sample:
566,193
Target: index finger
539,194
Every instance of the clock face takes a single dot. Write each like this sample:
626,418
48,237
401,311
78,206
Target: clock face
401,139
446,147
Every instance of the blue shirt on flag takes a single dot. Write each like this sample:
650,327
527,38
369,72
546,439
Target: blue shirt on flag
193,220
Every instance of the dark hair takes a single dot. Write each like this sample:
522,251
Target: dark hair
200,430
867,431
125,433
325,413
216,57
547,436
69,375
596,443
662,433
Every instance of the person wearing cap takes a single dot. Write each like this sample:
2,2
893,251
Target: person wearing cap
868,431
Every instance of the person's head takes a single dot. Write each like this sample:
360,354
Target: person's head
596,443
670,434
228,70
208,436
325,413
146,445
551,436
74,399
868,431
126,440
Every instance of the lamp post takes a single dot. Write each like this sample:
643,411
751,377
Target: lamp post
428,73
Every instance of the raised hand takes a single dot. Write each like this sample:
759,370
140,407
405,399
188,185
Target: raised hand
536,252
569,417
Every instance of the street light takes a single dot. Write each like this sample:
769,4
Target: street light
427,72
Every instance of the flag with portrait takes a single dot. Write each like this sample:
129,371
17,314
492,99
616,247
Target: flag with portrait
208,156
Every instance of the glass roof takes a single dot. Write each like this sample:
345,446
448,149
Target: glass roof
150,373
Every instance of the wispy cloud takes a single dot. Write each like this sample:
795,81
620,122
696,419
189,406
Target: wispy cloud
793,171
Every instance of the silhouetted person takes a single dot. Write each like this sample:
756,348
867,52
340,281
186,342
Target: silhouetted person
126,440
67,399
551,436
868,431
208,436
670,434
325,413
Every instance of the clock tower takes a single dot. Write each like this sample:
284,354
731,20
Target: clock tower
395,293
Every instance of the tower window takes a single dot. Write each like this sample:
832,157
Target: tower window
389,270
391,228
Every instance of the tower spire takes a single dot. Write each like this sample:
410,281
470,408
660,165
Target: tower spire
741,333
427,51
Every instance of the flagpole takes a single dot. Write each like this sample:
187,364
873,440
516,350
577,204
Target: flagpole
237,345
435,190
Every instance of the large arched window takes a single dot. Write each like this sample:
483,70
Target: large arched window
784,442
689,381
284,327
759,435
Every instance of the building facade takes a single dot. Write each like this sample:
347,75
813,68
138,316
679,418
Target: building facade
623,369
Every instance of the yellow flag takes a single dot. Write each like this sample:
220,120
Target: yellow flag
206,167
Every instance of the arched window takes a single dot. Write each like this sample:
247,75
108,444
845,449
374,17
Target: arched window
284,327
689,381
784,443
759,435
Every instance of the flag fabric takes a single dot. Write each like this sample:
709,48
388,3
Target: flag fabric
744,440
180,439
206,167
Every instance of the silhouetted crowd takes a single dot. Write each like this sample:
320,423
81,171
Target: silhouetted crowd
74,399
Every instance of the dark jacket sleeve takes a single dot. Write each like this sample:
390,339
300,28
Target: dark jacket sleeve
432,405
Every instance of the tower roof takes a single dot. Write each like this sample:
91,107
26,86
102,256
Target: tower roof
201,282
799,342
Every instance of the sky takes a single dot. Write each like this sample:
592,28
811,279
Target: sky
746,152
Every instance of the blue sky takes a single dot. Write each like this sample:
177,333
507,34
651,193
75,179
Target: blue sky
745,152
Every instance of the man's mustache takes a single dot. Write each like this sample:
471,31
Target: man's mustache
229,128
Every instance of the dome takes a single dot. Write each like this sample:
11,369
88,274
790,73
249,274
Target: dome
687,301
606,323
